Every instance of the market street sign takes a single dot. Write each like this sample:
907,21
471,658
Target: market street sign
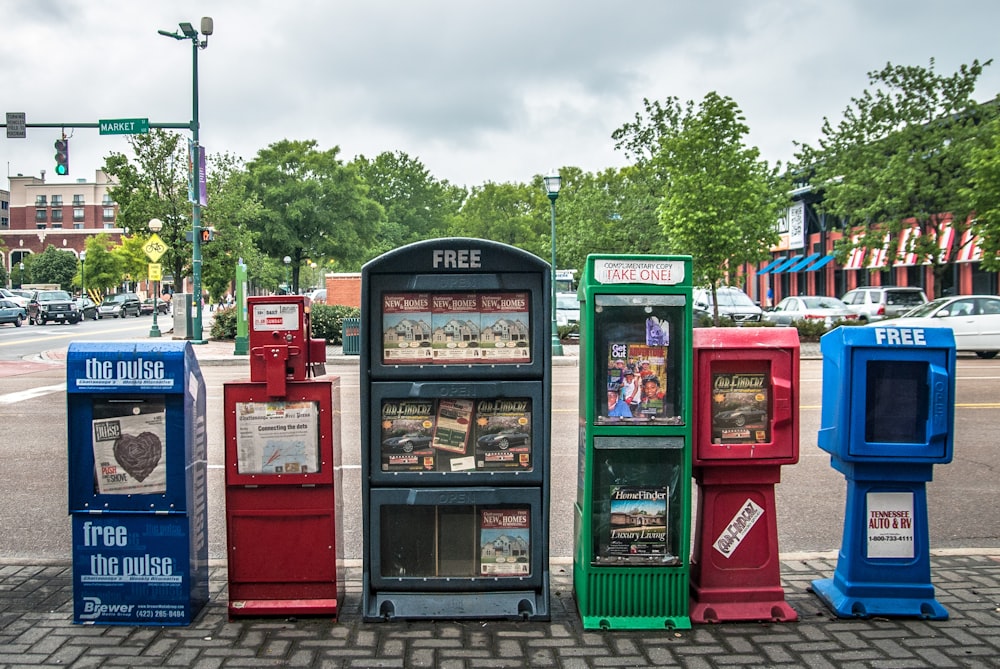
124,126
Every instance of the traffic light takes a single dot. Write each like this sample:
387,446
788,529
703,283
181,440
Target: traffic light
62,156
207,234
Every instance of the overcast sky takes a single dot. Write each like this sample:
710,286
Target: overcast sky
477,91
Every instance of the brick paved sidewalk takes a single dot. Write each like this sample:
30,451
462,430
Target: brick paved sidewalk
36,631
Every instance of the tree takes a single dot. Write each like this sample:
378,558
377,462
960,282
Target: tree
155,185
900,159
516,214
984,194
416,205
313,205
720,201
54,266
103,269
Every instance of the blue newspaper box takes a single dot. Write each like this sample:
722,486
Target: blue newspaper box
137,493
887,419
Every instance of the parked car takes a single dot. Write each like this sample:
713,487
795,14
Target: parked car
11,312
734,304
120,306
974,319
146,308
87,307
318,296
52,305
810,308
19,300
873,303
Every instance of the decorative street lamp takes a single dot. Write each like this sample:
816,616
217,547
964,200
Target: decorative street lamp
83,276
188,32
552,183
288,277
155,225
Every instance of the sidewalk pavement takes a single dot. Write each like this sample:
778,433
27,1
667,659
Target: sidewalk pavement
36,630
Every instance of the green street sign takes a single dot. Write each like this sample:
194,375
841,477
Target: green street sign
124,126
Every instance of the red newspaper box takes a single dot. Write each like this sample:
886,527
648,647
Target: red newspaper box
746,409
282,470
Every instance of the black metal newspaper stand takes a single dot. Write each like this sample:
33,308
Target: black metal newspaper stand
455,430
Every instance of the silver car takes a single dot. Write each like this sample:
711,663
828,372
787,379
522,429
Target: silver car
873,303
974,319
808,308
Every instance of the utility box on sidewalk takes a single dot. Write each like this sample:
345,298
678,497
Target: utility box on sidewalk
632,512
746,426
455,417
283,470
137,482
888,417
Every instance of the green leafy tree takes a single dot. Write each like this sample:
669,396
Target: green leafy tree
417,206
510,213
899,157
720,201
313,205
103,269
54,266
154,184
984,193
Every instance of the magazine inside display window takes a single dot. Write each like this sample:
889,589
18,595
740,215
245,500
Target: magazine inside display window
641,340
463,541
129,442
637,487
741,405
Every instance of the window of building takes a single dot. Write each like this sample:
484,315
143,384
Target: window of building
109,213
77,226
41,215
57,200
78,213
77,200
40,201
107,199
57,215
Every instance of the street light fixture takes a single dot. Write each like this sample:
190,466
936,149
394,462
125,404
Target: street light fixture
83,276
288,277
552,183
188,32
155,225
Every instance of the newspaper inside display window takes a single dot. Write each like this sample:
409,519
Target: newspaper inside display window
129,441
640,339
637,488
456,328
277,437
455,541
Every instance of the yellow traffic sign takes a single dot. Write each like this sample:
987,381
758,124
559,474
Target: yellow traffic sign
154,248
155,271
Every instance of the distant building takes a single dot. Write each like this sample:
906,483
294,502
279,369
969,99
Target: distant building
35,215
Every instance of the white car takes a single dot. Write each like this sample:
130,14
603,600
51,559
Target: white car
14,297
974,319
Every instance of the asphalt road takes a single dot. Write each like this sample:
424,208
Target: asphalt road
810,498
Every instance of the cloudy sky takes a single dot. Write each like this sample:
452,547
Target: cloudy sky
477,91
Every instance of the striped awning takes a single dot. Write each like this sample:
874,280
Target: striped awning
822,263
786,264
802,263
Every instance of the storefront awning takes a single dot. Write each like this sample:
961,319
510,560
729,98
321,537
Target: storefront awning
822,263
785,265
771,265
802,263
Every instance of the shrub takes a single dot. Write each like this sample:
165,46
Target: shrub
328,321
224,326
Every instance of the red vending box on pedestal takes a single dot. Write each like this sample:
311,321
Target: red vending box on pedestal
282,470
746,409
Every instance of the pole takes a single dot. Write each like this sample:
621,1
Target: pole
155,330
557,348
196,325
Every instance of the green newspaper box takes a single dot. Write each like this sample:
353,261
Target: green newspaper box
632,513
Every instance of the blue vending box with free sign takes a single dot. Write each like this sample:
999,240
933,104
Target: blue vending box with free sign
887,419
137,493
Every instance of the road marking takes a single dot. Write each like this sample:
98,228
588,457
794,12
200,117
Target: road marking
11,398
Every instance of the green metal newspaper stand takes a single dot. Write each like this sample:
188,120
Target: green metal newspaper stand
633,509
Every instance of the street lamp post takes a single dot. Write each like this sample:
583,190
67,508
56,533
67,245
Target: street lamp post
155,225
552,183
288,277
20,275
188,32
83,276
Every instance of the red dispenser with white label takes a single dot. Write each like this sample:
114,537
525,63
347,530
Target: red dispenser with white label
746,408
